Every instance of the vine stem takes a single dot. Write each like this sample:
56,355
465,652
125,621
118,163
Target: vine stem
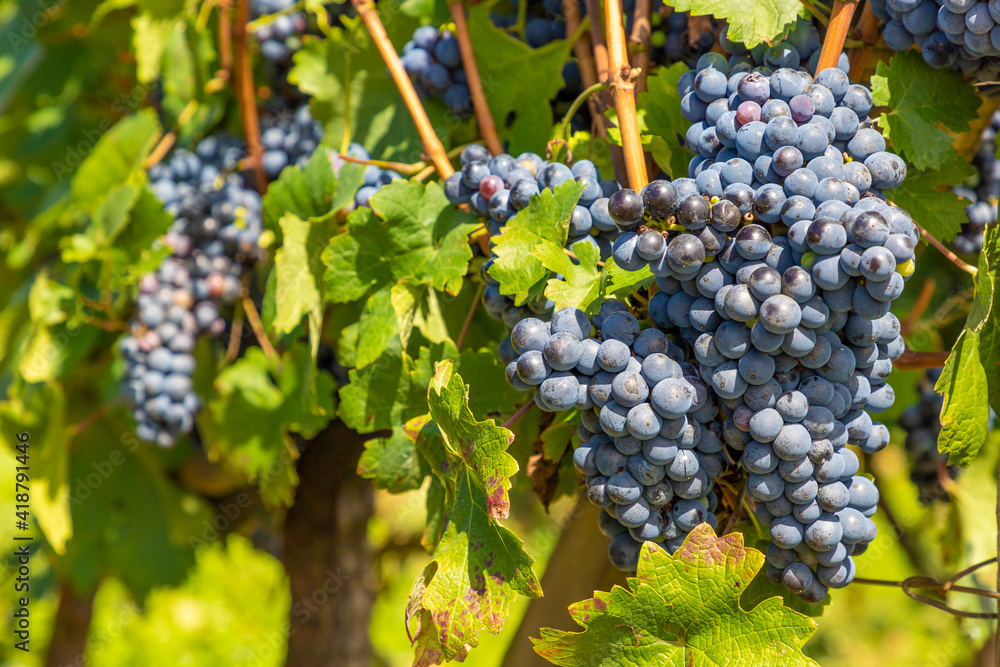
912,360
520,413
245,93
401,167
623,88
641,31
468,318
584,56
79,427
868,25
919,306
225,40
816,12
487,128
952,257
585,96
433,146
836,34
253,317
168,140
235,334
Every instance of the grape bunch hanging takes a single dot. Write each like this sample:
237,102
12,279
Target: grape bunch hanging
768,337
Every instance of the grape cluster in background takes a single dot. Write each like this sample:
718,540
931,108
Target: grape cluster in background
433,61
950,33
213,243
982,192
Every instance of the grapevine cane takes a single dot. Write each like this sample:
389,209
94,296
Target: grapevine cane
584,57
245,93
484,118
640,36
623,88
433,146
912,360
836,34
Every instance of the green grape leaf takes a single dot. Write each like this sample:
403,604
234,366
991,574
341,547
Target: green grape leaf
620,283
581,282
965,411
662,119
526,96
984,316
376,327
388,392
925,196
556,438
683,609
344,74
393,463
130,521
261,400
416,305
544,222
490,394
970,381
412,231
299,272
313,191
749,22
115,159
147,222
482,445
919,97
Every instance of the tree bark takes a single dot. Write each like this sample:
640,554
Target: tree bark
327,555
578,566
69,636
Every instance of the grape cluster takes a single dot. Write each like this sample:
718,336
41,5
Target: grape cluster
982,192
922,425
677,38
545,20
497,187
289,139
213,241
777,262
652,449
433,61
375,177
950,33
280,37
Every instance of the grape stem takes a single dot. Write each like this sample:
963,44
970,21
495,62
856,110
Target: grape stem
816,12
235,334
584,56
641,31
401,167
919,306
952,257
912,360
433,146
245,96
225,40
79,427
520,413
622,79
258,327
868,25
586,95
468,318
168,140
929,583
603,74
487,128
836,34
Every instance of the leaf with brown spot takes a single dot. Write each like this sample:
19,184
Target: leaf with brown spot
481,445
479,568
683,609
